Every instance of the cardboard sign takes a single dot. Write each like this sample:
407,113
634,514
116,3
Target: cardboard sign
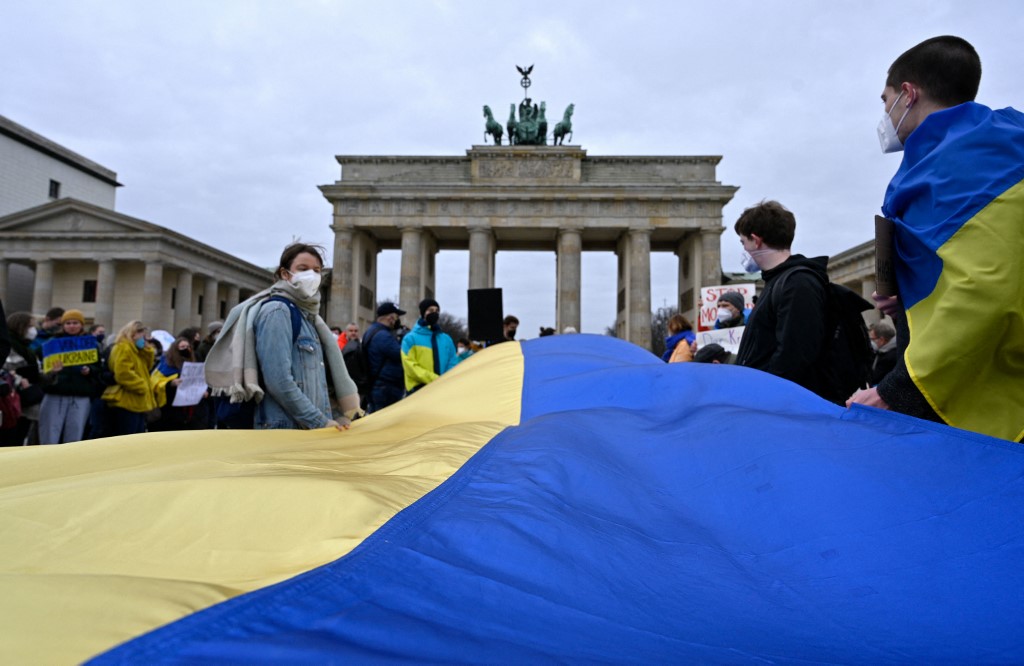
73,350
709,302
729,338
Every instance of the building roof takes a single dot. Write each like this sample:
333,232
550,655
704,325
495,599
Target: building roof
40,143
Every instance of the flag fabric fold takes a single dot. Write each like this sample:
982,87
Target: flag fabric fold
623,510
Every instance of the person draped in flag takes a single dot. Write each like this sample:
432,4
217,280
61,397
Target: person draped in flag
957,204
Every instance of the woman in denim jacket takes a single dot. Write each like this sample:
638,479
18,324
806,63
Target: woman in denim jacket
297,366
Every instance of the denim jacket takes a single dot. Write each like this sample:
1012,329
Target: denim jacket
294,375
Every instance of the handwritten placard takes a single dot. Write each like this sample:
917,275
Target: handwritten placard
192,386
729,338
709,302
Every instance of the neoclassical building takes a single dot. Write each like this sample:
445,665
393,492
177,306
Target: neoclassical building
543,198
116,268
855,268
62,244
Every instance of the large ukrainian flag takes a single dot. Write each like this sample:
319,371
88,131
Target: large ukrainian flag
567,499
958,204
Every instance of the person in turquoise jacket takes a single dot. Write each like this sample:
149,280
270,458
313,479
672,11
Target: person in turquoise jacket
427,351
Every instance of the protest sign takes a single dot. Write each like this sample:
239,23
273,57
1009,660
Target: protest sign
709,302
70,350
729,338
192,386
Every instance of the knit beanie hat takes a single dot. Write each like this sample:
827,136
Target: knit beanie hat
426,303
733,298
70,315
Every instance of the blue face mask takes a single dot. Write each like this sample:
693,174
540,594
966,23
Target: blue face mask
140,343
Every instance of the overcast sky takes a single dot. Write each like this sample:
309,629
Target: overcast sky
222,118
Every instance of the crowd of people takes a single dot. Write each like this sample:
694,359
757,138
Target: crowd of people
276,364
111,387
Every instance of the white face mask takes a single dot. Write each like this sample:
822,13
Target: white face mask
306,282
31,333
460,350
748,263
724,315
888,136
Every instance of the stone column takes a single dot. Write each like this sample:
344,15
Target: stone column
428,260
569,278
640,287
481,258
410,291
106,278
211,304
152,295
183,302
4,272
711,257
42,292
234,297
342,308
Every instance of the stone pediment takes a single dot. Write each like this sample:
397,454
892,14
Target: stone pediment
75,217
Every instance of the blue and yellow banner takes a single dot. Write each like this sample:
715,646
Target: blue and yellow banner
957,201
70,350
566,499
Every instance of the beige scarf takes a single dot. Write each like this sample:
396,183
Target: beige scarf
232,368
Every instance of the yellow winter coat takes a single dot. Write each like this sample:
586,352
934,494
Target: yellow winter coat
130,366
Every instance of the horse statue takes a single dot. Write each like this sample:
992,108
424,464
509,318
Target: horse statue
564,127
511,125
492,127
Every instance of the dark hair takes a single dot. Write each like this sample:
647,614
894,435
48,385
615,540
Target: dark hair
510,319
947,68
92,329
19,323
54,313
190,333
771,221
464,342
294,250
677,323
174,357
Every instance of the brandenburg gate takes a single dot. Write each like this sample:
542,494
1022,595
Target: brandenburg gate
527,197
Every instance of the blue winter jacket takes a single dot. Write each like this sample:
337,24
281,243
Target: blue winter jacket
384,354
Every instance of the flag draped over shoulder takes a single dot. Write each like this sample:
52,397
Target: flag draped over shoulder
566,499
958,204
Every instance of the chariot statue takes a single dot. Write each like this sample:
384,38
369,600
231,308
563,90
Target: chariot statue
531,127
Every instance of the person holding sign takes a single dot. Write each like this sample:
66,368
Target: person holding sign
165,381
71,367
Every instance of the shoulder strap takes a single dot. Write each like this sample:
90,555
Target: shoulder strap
296,315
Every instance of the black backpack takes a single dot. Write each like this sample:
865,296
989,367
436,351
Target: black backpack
847,356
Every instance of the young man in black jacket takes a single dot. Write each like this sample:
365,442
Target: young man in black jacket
785,334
